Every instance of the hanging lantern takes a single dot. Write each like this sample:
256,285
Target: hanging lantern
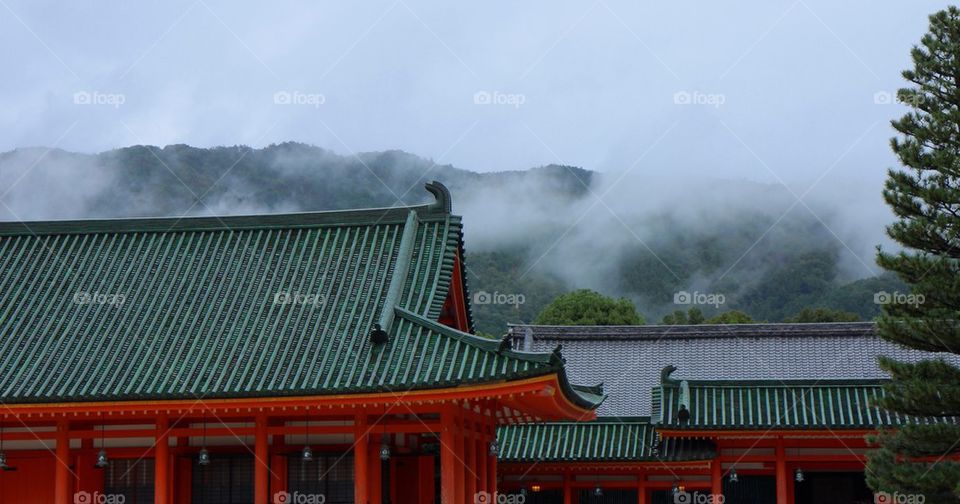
798,476
307,454
733,475
102,460
384,451
598,492
494,448
535,487
204,457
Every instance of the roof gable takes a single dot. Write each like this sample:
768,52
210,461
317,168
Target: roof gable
773,404
246,306
628,359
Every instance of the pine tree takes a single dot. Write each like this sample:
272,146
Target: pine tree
925,197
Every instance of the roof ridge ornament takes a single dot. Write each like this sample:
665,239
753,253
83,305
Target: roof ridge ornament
444,202
665,373
400,269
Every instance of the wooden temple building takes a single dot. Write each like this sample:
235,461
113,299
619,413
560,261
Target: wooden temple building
755,413
329,357
302,358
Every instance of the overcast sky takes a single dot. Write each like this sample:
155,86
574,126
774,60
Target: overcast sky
773,91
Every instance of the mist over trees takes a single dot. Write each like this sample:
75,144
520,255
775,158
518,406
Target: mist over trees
538,233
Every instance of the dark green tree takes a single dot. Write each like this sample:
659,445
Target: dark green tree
925,197
731,317
813,315
692,316
678,317
587,307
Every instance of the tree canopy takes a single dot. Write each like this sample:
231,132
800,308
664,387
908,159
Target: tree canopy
587,307
920,459
820,314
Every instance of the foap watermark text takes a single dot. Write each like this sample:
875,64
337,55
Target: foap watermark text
699,298
499,298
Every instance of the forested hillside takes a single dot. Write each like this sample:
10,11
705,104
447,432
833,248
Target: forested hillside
530,235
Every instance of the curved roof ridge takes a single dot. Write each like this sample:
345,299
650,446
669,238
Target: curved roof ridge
472,339
384,215
590,397
698,331
829,382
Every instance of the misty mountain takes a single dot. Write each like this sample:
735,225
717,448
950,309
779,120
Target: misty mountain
530,235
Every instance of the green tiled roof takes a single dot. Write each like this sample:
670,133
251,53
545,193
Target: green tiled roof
603,440
239,306
826,404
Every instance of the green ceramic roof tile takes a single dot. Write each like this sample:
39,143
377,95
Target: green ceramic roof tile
825,404
603,440
244,306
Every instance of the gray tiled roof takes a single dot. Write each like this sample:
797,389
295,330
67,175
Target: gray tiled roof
628,359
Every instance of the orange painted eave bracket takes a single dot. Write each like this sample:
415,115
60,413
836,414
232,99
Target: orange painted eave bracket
539,396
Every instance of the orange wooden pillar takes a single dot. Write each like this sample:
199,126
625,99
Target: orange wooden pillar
480,456
642,487
458,481
491,460
469,467
61,484
716,479
447,456
261,472
781,473
567,489
360,460
161,463
374,462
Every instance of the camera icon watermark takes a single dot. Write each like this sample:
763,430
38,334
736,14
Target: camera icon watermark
83,497
514,100
889,98
714,100
99,298
898,298
898,498
684,497
883,98
114,100
284,298
499,298
299,98
699,298
498,498
283,497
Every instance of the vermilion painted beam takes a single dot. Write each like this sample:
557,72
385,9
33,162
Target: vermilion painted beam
406,427
542,391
